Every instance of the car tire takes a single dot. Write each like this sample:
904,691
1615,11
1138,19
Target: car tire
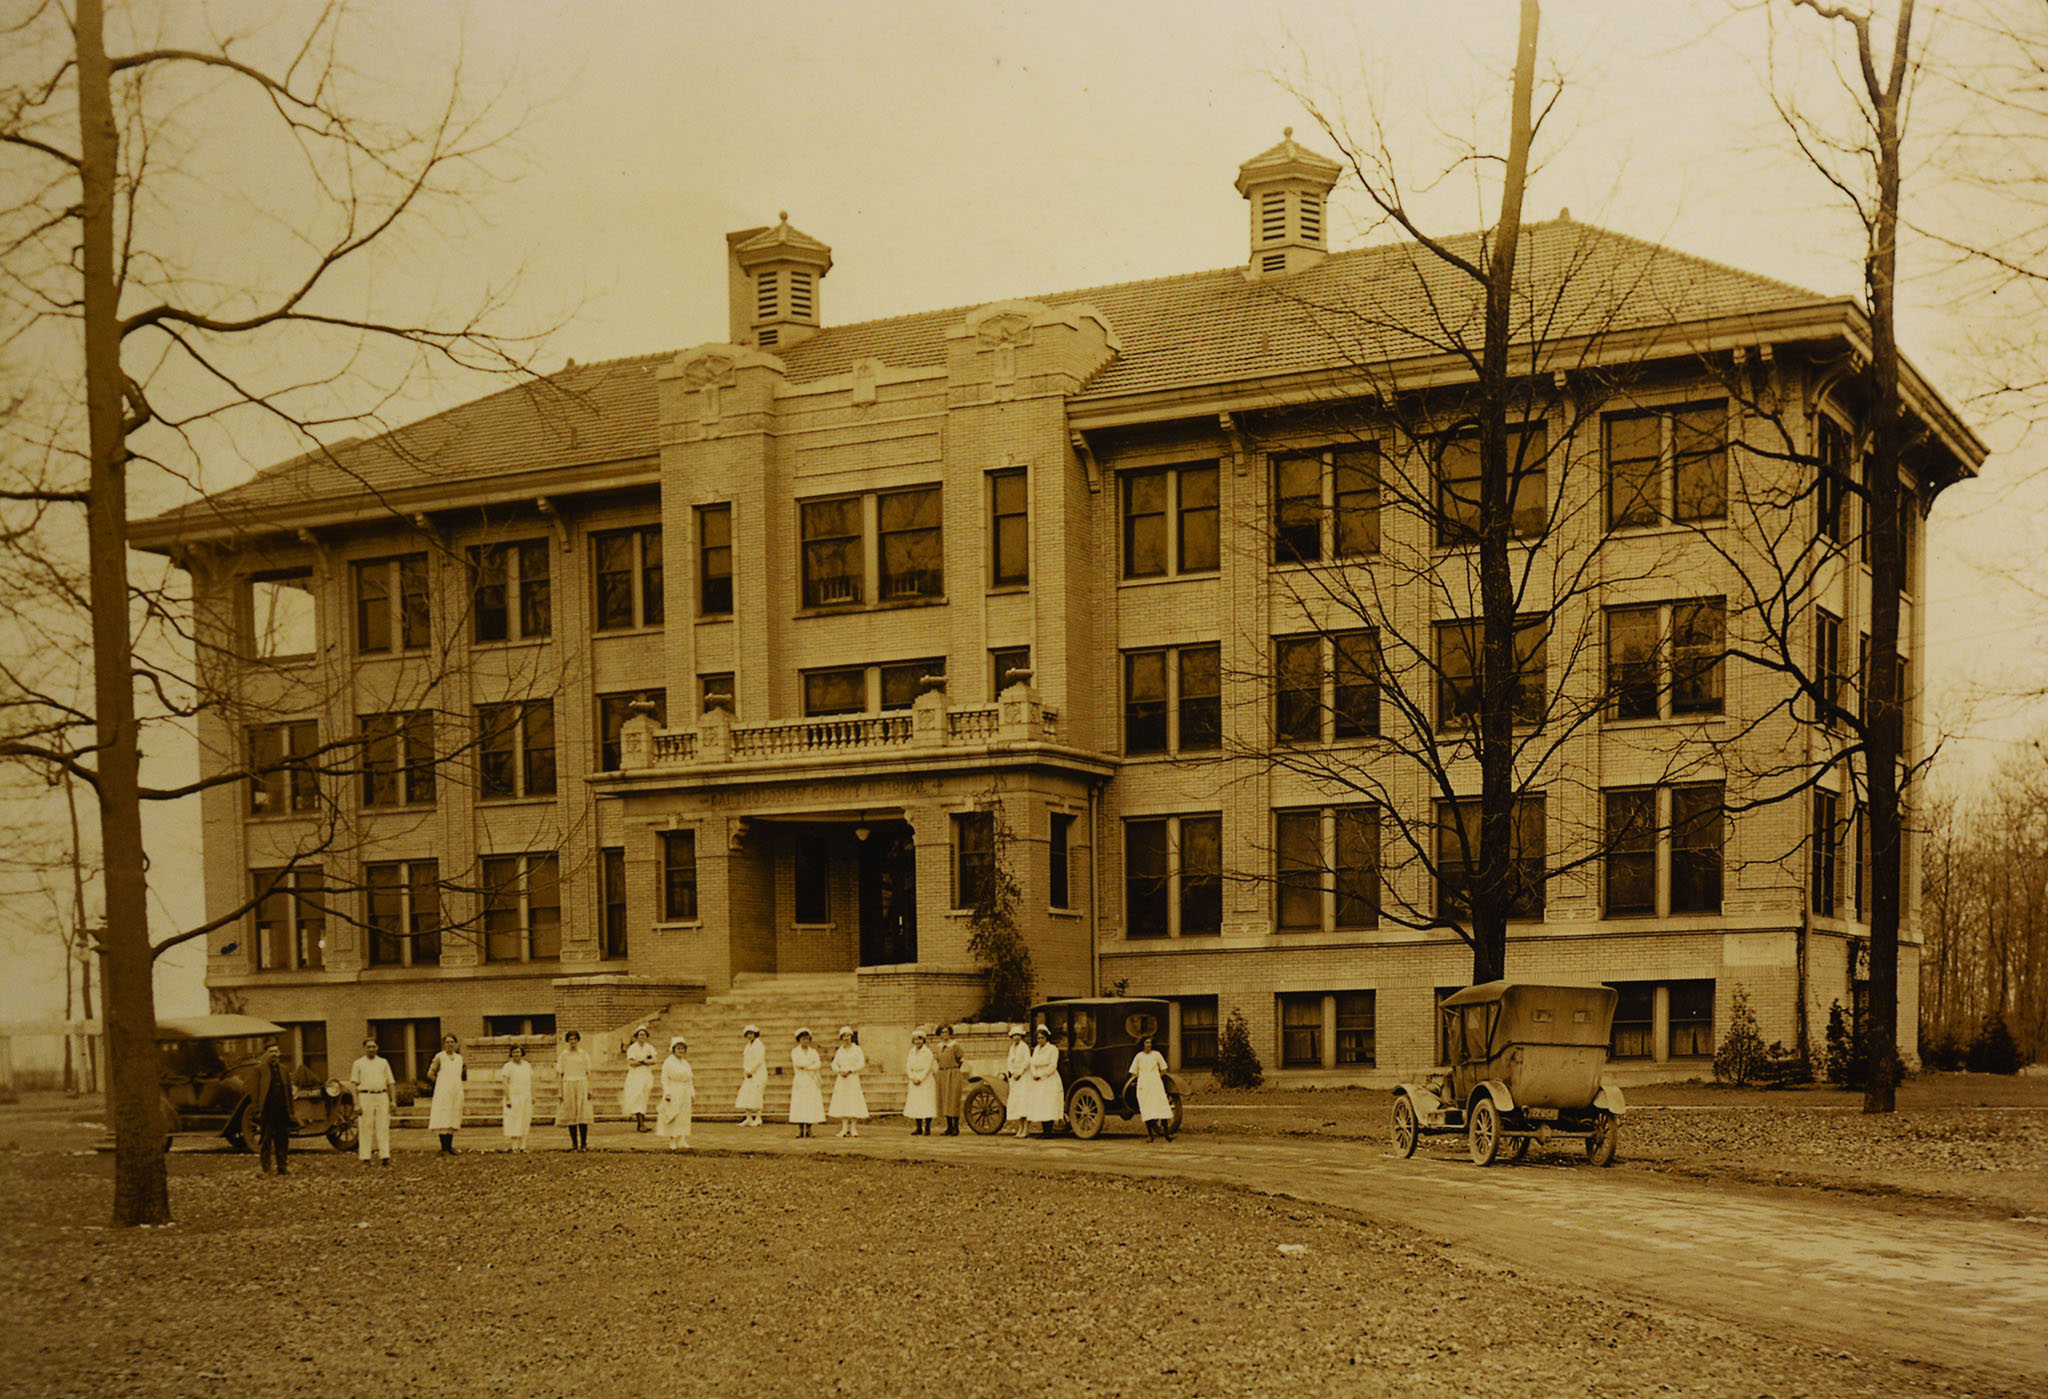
983,1109
1606,1138
1173,1122
1518,1148
342,1135
1407,1130
1482,1131
1086,1112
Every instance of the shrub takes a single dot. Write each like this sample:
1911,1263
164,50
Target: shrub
1944,1053
1237,1063
1844,1056
993,938
1742,1053
1782,1067
405,1093
1995,1051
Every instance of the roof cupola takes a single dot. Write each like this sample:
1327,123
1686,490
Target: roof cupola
1288,188
773,276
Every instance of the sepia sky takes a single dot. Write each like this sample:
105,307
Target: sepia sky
958,153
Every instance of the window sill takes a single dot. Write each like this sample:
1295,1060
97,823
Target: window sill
399,808
644,629
1009,589
382,972
267,818
1175,756
1334,561
1153,580
844,609
814,927
1073,913
513,643
704,617
293,662
394,655
679,925
1655,528
547,799
1665,721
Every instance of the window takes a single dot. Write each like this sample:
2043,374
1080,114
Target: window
522,906
1060,854
281,621
392,604
280,778
612,877
516,749
1831,490
291,918
1827,665
499,576
403,902
1326,503
1181,496
718,690
1458,485
408,1045
678,876
1698,834
1643,669
903,681
398,759
1667,464
1355,1028
612,713
813,902
842,691
974,855
1006,661
1194,706
1457,850
912,544
1630,852
305,1045
834,561
1301,1030
519,1024
1692,1019
1327,864
1173,876
1009,534
1859,876
1458,697
714,560
1197,1031
629,578
1337,676
1635,1016
1822,840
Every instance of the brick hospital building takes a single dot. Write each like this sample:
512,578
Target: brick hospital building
692,674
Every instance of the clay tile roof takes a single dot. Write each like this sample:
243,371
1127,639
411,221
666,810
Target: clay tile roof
1368,305
782,236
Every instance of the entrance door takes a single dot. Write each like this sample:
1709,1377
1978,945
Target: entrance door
888,896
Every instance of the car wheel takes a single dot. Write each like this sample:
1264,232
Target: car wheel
1482,1132
1085,1112
236,1134
1518,1148
1407,1131
1606,1137
1173,1122
342,1135
983,1110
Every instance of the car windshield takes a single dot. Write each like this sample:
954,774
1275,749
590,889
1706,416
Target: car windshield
1082,1035
1140,1023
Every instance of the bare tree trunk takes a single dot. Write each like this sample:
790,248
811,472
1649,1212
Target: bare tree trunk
141,1195
1495,884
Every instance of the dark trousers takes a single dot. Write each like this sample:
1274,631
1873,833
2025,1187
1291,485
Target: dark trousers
275,1133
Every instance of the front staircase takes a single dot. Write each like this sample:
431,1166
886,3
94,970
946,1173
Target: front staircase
777,1005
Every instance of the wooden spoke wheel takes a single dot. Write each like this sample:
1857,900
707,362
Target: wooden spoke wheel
1482,1132
1407,1131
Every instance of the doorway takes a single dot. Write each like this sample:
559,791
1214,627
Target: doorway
888,896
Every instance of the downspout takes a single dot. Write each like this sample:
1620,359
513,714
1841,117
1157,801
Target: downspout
1799,1024
1094,889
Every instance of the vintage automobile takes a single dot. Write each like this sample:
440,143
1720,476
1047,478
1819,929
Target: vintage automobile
207,1067
1524,1066
1097,1038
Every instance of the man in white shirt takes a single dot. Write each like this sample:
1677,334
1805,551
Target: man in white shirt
372,1079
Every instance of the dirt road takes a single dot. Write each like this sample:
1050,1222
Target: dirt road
1843,1272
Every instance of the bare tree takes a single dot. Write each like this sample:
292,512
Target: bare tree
165,338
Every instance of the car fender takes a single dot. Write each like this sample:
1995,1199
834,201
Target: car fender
1422,1100
1496,1090
1173,1087
995,1083
1610,1098
1110,1097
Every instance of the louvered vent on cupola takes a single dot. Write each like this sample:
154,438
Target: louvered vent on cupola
774,275
1286,187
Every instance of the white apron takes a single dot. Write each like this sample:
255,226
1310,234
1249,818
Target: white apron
517,1076
678,1096
921,1098
447,1113
753,1077
1153,1104
847,1099
639,1079
806,1102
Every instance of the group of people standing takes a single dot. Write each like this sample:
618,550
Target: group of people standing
934,1073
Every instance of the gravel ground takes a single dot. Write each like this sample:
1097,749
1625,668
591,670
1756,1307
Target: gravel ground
716,1275
1959,1141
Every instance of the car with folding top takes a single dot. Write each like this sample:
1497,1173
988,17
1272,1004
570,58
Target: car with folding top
1097,1038
1525,1065
207,1070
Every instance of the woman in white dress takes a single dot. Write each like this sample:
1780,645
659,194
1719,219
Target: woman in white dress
1017,1073
1148,1066
573,1065
640,1062
1046,1097
678,1096
806,1101
921,1098
516,1078
753,1078
445,1073
849,1104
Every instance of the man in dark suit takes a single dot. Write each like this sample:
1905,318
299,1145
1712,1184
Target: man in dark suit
270,1106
